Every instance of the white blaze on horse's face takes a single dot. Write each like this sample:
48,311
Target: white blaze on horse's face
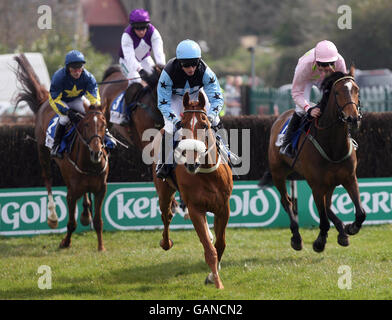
193,122
349,85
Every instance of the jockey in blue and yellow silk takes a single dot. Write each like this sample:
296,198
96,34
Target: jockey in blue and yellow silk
70,86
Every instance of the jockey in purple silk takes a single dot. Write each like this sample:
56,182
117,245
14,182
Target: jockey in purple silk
137,42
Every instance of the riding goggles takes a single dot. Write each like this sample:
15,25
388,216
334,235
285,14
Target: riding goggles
142,26
186,63
325,64
76,65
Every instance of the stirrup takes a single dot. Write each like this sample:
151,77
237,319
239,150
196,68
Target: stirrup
55,152
162,171
287,150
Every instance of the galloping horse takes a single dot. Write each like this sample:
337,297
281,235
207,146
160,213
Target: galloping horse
145,114
204,182
84,169
326,159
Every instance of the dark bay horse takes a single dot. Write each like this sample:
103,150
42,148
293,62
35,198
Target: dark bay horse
84,169
205,184
326,159
145,114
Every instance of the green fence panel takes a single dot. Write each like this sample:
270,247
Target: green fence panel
134,206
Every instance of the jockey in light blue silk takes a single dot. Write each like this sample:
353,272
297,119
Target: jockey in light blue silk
187,72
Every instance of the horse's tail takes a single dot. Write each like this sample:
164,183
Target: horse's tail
109,71
33,92
266,180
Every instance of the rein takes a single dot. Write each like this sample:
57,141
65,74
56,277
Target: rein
87,144
218,162
341,118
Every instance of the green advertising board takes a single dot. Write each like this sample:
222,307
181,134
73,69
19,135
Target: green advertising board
135,206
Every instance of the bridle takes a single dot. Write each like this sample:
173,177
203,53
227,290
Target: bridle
342,117
205,153
87,142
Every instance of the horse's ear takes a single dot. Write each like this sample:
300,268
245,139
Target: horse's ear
185,99
202,100
352,70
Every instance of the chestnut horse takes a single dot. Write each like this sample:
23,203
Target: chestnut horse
205,184
84,169
327,159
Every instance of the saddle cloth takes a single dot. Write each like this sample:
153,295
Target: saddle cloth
68,138
117,112
295,139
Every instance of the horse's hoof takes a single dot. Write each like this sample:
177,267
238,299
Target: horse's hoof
101,249
165,246
343,240
64,245
209,279
85,220
53,224
318,246
296,245
351,229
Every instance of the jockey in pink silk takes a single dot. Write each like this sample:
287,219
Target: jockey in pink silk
312,68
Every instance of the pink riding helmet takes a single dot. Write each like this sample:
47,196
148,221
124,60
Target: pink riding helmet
326,51
139,15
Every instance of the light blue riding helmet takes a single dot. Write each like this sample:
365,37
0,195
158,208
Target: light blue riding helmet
188,49
74,56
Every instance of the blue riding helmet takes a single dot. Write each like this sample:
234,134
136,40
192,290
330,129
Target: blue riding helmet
74,56
188,49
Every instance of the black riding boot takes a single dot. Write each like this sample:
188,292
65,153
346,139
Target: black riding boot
286,148
60,129
164,166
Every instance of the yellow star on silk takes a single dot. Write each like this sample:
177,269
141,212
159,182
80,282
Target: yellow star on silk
74,92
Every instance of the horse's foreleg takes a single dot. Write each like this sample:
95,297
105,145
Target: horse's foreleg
85,217
166,197
210,252
71,225
98,223
360,214
343,238
296,239
320,200
220,224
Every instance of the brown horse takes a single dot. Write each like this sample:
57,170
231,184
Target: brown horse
326,159
145,114
84,169
204,182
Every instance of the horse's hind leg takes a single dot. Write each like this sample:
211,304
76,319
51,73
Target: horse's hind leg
85,217
343,238
360,214
71,225
210,252
46,172
280,183
98,223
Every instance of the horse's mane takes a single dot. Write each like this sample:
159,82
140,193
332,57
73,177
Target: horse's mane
152,79
112,69
327,84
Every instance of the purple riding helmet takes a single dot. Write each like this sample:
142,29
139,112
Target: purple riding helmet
139,16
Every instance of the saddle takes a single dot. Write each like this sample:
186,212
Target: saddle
68,139
303,127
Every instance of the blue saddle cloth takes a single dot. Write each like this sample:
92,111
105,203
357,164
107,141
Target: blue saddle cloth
295,139
68,138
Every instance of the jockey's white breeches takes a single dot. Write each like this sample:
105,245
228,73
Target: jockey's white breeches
76,105
130,72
